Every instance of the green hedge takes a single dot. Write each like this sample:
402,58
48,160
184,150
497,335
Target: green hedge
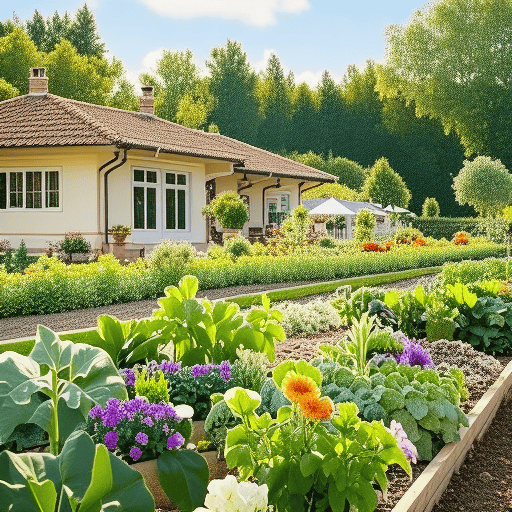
62,289
472,271
445,227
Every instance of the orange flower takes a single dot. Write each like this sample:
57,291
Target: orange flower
420,242
316,408
296,386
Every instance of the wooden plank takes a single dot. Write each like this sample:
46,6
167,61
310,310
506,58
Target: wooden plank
431,484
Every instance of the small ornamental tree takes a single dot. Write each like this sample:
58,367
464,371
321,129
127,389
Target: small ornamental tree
365,225
296,227
485,184
385,186
229,209
431,207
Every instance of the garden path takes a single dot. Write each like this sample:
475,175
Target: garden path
25,326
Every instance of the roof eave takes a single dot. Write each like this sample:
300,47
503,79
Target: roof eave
243,170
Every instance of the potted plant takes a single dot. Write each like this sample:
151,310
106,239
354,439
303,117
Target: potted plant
75,246
230,211
119,232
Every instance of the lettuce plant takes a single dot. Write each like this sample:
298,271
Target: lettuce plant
83,478
55,386
309,458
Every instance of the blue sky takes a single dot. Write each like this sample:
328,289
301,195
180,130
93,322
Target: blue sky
308,35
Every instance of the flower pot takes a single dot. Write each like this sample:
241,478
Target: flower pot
79,257
148,469
229,233
119,238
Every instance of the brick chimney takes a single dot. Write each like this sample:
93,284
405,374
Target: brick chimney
38,81
147,100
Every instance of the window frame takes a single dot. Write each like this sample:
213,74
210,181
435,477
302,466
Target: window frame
161,187
24,170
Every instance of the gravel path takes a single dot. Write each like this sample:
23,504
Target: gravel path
24,326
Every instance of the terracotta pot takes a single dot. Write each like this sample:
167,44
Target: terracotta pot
217,469
229,233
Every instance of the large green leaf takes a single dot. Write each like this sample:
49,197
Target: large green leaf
183,475
112,334
242,402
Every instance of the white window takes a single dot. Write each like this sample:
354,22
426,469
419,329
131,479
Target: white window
30,189
278,208
161,200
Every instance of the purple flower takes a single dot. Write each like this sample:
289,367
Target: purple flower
110,440
225,370
113,414
403,442
165,428
141,438
95,412
129,376
135,453
198,370
175,440
148,421
414,354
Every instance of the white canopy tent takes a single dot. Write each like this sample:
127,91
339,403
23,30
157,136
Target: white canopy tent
331,207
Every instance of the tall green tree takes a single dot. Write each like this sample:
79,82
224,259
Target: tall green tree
18,54
195,106
331,114
58,27
37,30
7,91
304,122
275,107
454,59
123,95
83,34
232,85
176,74
385,186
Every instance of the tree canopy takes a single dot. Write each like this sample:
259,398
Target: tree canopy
485,184
454,60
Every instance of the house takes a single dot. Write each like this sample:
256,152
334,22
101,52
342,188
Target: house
350,209
70,166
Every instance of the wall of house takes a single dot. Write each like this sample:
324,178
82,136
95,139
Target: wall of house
78,197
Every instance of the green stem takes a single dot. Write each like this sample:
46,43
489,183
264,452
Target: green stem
54,421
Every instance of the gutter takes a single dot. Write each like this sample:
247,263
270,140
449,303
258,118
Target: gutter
116,157
276,185
284,175
105,187
306,189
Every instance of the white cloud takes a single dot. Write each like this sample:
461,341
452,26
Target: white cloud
260,13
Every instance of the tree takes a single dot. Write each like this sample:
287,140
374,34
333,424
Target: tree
18,54
124,96
385,186
232,85
7,91
37,30
304,122
453,60
348,172
58,28
176,75
195,106
275,107
431,207
80,77
485,184
365,225
336,190
83,34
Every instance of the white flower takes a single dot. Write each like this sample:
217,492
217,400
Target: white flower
230,496
184,411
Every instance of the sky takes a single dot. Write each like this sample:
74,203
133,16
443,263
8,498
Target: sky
309,36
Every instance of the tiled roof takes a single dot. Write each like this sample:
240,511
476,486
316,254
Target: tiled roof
49,120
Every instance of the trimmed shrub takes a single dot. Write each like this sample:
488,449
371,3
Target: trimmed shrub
171,254
75,243
229,209
431,208
237,246
365,225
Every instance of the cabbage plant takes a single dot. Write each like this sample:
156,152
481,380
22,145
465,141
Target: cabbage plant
55,386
